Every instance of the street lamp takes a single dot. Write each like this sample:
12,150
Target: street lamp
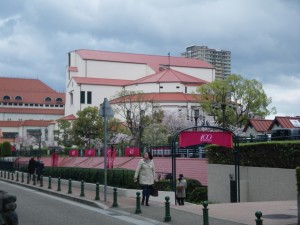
106,112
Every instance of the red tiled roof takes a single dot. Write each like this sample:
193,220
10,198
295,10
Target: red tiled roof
260,125
30,90
101,81
73,68
169,75
284,122
32,111
69,117
158,97
26,123
154,61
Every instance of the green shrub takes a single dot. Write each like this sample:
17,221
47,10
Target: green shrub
198,195
5,149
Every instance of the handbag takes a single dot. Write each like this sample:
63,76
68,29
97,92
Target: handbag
154,191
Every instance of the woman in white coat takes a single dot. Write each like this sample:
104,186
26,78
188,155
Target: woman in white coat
145,171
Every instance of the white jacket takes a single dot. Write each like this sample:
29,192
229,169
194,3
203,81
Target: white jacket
145,171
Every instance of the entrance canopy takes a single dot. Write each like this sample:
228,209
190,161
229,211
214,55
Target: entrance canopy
221,138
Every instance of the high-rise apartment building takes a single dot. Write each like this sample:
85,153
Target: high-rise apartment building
220,59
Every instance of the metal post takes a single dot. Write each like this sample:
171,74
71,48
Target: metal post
167,209
258,215
22,177
17,176
97,192
138,203
28,178
58,184
82,189
49,182
70,187
8,175
41,181
12,175
205,213
34,179
115,203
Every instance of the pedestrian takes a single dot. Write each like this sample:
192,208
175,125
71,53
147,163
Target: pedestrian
39,167
31,168
181,185
145,171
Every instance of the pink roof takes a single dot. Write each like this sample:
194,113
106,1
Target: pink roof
169,75
101,81
260,125
154,61
158,97
73,68
32,111
30,90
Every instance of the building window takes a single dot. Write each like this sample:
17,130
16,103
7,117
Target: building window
177,87
18,98
47,99
82,97
71,98
58,99
185,90
89,97
6,97
161,87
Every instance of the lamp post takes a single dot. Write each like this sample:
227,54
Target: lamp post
106,112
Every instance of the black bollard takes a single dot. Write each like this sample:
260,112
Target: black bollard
58,184
205,213
12,175
22,177
34,179
97,192
115,203
41,181
258,215
17,176
28,178
49,182
167,207
8,175
138,203
1,173
4,174
70,187
82,189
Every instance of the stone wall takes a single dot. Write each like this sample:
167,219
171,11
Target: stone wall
8,216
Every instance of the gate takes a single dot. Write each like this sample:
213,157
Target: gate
207,137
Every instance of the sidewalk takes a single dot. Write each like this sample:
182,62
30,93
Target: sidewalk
274,213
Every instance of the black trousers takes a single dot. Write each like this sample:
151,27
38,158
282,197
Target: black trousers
146,192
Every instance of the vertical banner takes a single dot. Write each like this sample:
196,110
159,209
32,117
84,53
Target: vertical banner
189,138
111,155
73,152
54,159
89,152
132,152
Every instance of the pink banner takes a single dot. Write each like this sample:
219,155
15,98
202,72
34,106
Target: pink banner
111,155
189,138
132,152
73,152
90,152
54,159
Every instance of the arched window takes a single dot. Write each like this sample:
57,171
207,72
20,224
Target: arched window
6,97
59,99
48,99
18,98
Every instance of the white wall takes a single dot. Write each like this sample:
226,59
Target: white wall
201,73
257,183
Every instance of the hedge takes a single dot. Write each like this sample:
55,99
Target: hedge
276,154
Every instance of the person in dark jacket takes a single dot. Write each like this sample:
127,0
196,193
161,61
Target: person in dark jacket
39,167
31,168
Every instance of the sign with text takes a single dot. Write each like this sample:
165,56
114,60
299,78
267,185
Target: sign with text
89,152
73,152
190,138
132,152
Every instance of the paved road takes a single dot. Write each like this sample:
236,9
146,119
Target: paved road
36,208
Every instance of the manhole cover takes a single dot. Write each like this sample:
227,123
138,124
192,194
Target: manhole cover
279,216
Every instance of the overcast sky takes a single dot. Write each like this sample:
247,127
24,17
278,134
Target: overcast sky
262,35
